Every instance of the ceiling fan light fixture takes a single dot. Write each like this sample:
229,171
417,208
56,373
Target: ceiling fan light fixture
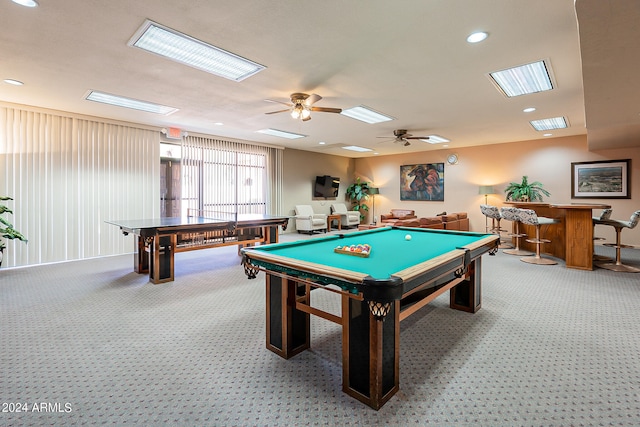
306,113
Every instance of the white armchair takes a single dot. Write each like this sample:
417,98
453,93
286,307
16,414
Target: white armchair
347,218
308,221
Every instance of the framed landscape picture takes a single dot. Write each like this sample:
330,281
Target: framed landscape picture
422,182
601,180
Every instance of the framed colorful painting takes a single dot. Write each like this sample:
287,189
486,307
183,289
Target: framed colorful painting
422,182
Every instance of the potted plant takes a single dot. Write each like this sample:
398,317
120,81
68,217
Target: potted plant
6,228
525,191
358,194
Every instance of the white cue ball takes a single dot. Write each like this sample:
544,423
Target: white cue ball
407,237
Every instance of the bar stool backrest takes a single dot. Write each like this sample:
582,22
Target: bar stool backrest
510,214
528,216
490,211
605,214
635,217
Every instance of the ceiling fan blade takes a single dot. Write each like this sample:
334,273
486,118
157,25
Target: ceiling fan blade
306,119
279,111
327,110
312,99
415,137
279,102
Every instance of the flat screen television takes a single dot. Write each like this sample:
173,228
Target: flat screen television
326,187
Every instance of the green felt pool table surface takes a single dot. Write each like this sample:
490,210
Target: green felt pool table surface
390,253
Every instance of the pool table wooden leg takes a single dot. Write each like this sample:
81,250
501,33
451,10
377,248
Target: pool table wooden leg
370,353
288,329
467,295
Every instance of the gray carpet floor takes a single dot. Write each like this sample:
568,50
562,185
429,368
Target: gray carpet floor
92,343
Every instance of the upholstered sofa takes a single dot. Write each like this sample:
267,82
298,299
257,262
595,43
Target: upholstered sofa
397,215
454,221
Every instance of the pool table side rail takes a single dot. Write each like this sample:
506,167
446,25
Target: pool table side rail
270,261
475,249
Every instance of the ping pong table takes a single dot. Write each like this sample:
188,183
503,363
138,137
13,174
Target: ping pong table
158,239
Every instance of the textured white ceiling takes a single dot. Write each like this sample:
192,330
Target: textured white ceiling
408,59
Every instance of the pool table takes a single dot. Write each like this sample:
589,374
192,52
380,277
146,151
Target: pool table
405,269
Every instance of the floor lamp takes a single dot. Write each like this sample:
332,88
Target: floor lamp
372,192
486,190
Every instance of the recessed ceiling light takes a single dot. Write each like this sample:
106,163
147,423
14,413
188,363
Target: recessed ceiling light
121,101
356,148
549,124
365,114
218,124
529,110
27,3
477,37
523,80
547,134
187,50
13,82
281,133
321,143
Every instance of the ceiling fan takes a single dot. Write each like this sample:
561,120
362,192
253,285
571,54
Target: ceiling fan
301,106
404,137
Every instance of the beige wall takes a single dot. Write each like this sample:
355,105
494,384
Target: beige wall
548,161
300,171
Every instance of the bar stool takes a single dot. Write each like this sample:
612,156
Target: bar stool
513,215
619,225
494,213
529,217
598,220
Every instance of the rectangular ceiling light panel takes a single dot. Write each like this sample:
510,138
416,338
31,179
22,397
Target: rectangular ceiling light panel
356,148
435,139
523,80
187,50
121,101
281,133
366,115
549,124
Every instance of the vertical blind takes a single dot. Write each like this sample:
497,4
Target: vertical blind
67,176
230,177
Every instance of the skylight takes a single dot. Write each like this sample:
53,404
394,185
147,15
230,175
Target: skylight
135,104
549,124
281,133
365,114
187,50
523,80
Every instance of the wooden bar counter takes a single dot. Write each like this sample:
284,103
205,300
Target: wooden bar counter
571,238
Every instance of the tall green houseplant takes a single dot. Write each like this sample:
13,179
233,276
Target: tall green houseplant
6,228
358,194
525,191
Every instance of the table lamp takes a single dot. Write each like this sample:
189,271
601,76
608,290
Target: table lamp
373,191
